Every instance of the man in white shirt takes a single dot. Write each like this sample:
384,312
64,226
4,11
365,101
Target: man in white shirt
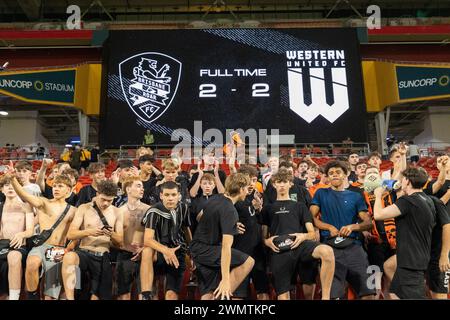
413,152
24,171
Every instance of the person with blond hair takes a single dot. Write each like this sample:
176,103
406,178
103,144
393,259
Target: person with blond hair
220,268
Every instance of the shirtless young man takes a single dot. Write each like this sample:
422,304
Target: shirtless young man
128,258
43,256
16,225
96,235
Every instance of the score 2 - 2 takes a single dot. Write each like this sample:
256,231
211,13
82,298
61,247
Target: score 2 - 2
208,90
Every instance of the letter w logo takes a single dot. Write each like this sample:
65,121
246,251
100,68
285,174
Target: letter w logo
314,92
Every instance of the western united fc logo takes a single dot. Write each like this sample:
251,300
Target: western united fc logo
317,84
149,83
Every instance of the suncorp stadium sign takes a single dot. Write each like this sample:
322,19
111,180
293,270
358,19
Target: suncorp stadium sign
55,86
420,82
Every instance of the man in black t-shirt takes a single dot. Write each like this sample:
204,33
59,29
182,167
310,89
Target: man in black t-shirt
415,217
211,246
166,232
250,242
148,177
285,218
198,203
87,193
438,273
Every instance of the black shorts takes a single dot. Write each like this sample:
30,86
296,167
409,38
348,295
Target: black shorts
308,271
99,270
408,284
351,265
285,265
414,158
207,262
127,272
174,276
4,283
437,281
258,275
379,253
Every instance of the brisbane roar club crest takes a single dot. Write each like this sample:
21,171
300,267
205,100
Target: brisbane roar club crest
149,83
317,84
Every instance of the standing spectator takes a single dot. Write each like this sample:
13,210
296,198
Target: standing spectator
347,144
413,152
415,217
65,155
220,268
94,153
75,158
40,151
85,160
149,139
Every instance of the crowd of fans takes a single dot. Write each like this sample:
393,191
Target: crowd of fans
222,230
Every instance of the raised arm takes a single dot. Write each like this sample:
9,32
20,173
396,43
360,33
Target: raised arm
219,185
442,163
309,160
37,202
380,213
446,197
156,171
40,178
402,164
232,160
194,190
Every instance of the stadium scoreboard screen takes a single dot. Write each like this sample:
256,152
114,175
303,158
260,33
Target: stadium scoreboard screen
303,82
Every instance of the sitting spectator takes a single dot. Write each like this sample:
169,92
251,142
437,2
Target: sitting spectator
143,151
24,172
